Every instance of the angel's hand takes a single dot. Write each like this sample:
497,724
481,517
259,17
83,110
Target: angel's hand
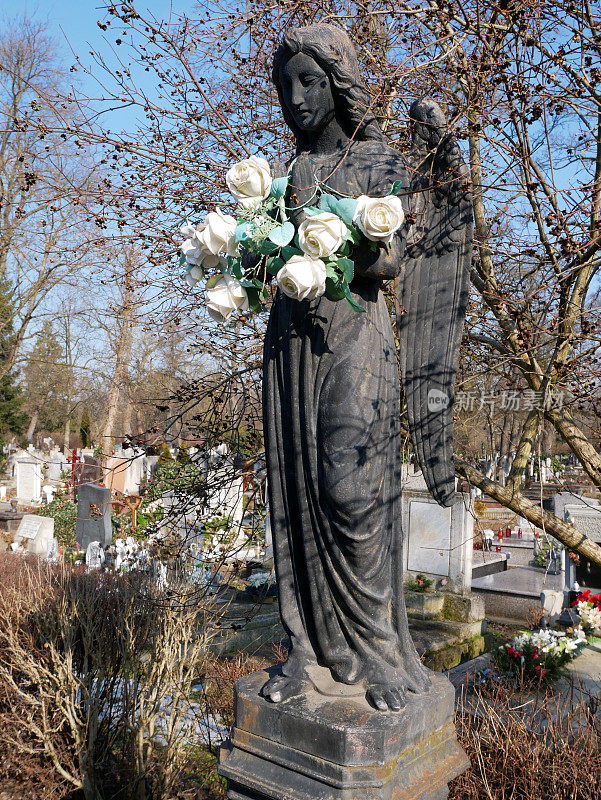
382,263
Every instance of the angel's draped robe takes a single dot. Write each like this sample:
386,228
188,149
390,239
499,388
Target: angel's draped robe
331,406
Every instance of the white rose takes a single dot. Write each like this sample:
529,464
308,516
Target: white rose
195,251
249,180
225,295
217,234
379,217
321,235
302,278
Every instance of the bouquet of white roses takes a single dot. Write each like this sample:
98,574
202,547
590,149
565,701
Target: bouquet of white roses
307,263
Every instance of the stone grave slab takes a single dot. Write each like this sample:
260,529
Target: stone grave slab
34,533
29,479
439,541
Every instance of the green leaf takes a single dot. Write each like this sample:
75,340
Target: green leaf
254,299
310,211
345,209
242,232
236,268
353,234
334,289
352,303
275,264
282,235
268,248
329,203
278,187
332,273
289,251
396,187
182,260
347,268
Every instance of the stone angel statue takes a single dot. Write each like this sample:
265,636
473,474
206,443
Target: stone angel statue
331,393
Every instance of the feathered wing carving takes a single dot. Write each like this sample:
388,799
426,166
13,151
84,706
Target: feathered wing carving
433,292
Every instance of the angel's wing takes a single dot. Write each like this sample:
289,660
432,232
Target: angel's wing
433,292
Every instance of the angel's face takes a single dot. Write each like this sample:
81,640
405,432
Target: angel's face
307,92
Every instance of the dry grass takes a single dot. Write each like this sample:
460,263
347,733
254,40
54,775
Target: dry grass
528,749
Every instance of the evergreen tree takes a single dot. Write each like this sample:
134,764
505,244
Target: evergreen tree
12,418
182,456
48,380
85,430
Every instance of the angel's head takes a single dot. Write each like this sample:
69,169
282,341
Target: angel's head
316,73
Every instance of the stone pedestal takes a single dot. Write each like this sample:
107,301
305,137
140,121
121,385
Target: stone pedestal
332,748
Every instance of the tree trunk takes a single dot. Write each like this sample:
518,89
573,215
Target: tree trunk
511,498
123,355
32,424
66,448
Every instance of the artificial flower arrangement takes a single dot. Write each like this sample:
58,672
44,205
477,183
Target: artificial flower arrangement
306,264
540,655
588,608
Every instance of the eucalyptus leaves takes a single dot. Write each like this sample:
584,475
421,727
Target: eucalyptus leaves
262,241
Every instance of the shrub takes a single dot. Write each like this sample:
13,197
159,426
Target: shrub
418,584
95,674
540,656
545,749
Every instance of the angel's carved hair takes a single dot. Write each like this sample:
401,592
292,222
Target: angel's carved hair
332,49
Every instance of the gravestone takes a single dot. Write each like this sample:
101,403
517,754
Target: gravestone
563,499
88,470
439,541
225,494
181,513
52,549
93,516
587,519
29,479
34,533
114,473
94,555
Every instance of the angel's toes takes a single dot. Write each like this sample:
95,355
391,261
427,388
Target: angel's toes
282,687
387,696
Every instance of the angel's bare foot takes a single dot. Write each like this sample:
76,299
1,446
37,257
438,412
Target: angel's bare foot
387,696
388,692
283,687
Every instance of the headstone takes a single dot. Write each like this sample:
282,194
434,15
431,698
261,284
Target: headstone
225,494
93,516
114,473
180,512
52,549
34,533
587,519
94,555
29,479
88,470
439,541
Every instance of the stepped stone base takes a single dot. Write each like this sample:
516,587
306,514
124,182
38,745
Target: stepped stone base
319,747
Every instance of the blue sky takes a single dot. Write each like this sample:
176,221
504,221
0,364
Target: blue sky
72,23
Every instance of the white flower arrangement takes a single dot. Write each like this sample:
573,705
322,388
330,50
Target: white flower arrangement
590,616
310,262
